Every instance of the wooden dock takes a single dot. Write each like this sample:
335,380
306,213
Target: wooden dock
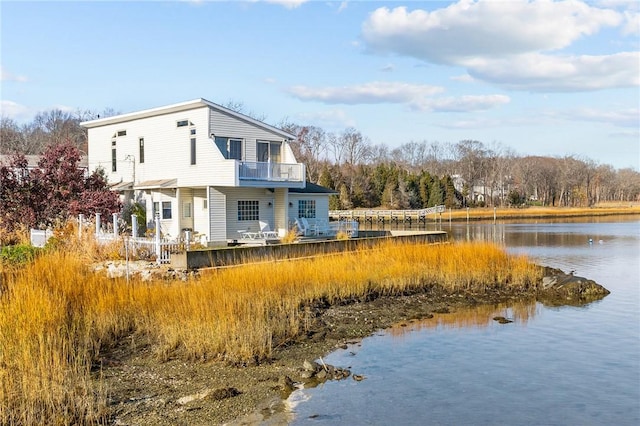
421,216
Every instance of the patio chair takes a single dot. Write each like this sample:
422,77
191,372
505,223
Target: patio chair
322,227
266,232
310,230
248,235
303,227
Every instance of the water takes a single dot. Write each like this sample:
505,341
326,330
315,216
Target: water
551,366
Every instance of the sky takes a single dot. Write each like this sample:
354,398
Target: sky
539,77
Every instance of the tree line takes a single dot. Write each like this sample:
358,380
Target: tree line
465,173
412,175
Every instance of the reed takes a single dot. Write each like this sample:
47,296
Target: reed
57,317
542,212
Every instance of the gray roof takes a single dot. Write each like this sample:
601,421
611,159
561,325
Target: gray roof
32,160
312,188
183,106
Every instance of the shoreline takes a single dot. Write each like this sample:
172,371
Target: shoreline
144,390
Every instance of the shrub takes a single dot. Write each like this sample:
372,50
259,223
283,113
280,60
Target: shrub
19,254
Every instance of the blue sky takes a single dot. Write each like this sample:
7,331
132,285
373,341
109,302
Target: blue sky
541,77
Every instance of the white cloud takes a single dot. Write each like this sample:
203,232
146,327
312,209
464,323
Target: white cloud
415,96
289,4
8,76
13,110
559,73
624,4
621,118
368,93
632,23
333,120
465,78
467,103
515,42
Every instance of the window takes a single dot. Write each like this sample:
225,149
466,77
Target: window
192,131
235,149
182,123
141,150
248,210
122,133
193,151
186,209
307,208
230,148
267,151
114,162
204,204
166,209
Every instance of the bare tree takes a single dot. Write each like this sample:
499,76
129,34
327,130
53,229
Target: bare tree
351,147
239,106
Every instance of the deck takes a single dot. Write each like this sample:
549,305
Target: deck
389,216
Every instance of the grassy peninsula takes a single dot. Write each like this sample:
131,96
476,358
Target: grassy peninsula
61,323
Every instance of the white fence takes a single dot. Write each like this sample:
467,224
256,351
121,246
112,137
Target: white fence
39,237
157,247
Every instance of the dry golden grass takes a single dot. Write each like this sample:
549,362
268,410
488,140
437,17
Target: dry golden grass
57,317
542,212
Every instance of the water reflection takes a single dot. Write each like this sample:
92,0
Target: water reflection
552,366
520,312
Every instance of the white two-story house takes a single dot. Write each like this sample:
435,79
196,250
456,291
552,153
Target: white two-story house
205,168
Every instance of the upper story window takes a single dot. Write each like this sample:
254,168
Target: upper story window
193,151
141,150
231,148
122,133
182,123
268,151
114,161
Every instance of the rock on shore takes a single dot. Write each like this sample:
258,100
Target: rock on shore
559,288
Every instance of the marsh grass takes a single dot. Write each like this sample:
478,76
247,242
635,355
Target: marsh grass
57,317
604,209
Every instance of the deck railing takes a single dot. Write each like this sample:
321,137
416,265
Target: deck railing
250,170
388,215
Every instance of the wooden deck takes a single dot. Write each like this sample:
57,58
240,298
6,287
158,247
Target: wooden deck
421,216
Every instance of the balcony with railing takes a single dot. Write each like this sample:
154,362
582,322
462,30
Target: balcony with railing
271,172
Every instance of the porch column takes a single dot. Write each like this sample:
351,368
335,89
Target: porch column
281,211
179,213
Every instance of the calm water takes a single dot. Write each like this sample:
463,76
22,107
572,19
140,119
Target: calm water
552,366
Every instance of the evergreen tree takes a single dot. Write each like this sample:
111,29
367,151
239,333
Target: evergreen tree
436,196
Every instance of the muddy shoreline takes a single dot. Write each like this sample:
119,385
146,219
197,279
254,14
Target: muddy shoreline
143,390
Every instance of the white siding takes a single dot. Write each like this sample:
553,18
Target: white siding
266,211
227,126
201,212
322,206
186,207
217,216
168,227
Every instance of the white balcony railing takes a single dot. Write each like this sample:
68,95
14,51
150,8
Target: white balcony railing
281,172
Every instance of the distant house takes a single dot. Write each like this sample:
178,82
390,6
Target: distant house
205,168
33,160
